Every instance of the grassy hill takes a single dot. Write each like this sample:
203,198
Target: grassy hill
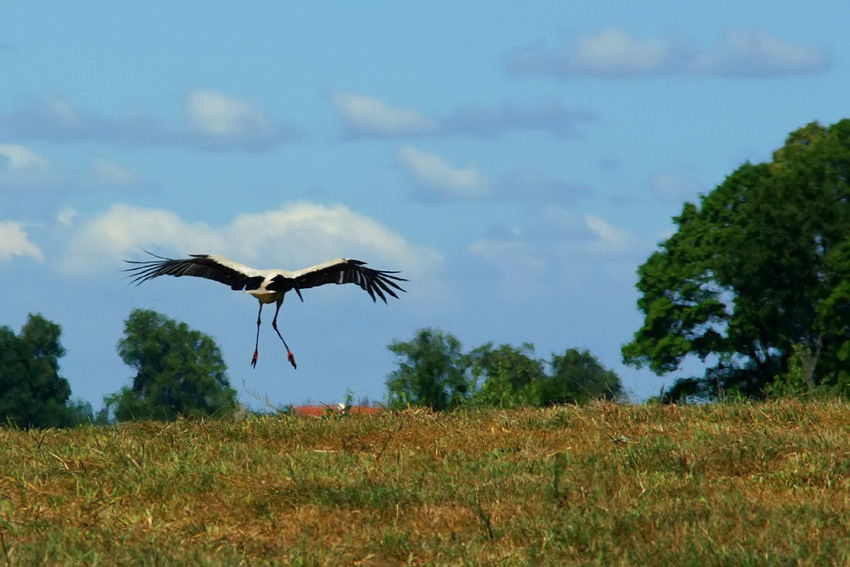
733,484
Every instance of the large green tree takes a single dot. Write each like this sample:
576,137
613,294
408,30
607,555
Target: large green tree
32,392
179,372
758,270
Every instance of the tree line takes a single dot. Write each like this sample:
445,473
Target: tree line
434,371
179,372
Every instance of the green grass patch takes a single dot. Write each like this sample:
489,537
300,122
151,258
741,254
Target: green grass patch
605,484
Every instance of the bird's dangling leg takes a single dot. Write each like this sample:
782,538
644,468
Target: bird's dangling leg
289,355
257,341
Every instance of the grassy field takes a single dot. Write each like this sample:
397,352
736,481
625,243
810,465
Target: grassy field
733,484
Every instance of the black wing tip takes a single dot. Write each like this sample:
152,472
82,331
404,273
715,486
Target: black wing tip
383,283
385,277
198,265
147,262
144,270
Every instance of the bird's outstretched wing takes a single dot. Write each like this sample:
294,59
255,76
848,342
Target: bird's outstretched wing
343,270
207,266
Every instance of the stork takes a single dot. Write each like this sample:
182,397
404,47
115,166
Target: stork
269,286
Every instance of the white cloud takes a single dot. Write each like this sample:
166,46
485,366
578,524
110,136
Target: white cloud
66,216
555,249
15,242
435,181
216,115
123,230
610,238
758,53
557,234
113,174
21,158
23,169
440,180
549,116
63,112
615,53
530,185
212,121
364,115
296,235
309,232
520,265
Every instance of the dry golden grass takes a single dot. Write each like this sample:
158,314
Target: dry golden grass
729,484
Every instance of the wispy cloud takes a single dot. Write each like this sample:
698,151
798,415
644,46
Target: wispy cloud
555,231
222,122
23,169
15,242
20,158
757,53
607,237
615,53
530,185
548,116
520,267
296,235
548,248
437,180
363,116
211,121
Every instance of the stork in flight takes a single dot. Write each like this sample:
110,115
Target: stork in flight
269,286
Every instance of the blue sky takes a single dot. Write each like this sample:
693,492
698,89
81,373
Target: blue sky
517,161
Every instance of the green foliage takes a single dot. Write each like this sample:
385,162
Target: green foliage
437,374
577,376
81,413
792,382
179,372
684,390
431,372
762,264
506,377
32,392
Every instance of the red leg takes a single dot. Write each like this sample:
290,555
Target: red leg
289,354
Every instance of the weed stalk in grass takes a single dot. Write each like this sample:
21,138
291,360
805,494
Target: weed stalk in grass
485,519
558,466
4,548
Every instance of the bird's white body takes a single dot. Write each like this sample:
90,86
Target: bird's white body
263,294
